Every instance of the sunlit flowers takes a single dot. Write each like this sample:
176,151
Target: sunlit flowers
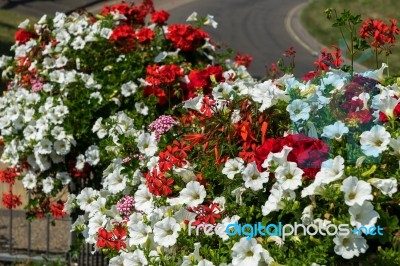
233,167
374,141
349,246
363,215
166,232
356,191
298,110
253,179
335,131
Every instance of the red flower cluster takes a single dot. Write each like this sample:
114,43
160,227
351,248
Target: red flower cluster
158,184
352,105
379,31
9,175
174,155
308,153
328,59
159,17
202,79
186,37
244,60
113,240
22,36
161,76
124,36
56,209
206,214
134,14
145,35
11,201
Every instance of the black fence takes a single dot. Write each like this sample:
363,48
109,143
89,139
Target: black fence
41,240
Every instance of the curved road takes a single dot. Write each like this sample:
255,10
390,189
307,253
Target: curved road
255,27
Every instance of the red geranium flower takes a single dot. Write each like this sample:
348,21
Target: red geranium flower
308,153
158,184
8,175
145,35
22,36
244,60
114,239
159,17
206,214
11,201
186,37
56,209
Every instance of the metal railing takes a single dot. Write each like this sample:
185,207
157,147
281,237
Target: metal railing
22,240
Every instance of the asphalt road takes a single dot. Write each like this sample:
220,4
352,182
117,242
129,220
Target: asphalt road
255,27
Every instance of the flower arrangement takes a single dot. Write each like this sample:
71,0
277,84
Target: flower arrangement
190,160
322,153
77,79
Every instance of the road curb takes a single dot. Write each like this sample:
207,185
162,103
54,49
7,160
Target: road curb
295,29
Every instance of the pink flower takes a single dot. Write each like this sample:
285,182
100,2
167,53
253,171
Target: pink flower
161,125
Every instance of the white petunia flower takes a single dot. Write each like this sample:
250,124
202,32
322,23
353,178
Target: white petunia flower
95,222
58,133
29,180
375,141
313,189
246,252
24,24
387,104
138,233
137,258
386,186
349,245
144,200
184,215
193,194
331,170
192,17
194,103
64,177
86,197
266,93
298,110
186,173
166,232
335,131
275,199
252,178
278,158
233,167
44,146
363,215
210,21
356,191
80,162
128,88
62,147
48,185
92,155
115,182
395,145
141,108
147,144
307,215
289,176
